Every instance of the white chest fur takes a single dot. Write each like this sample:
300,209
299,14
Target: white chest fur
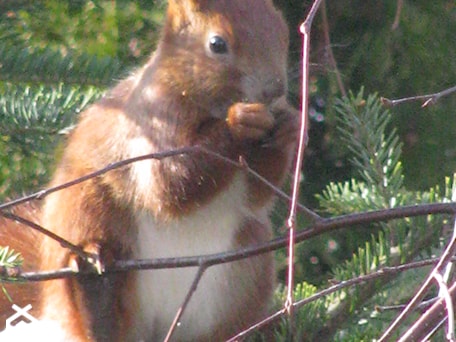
211,229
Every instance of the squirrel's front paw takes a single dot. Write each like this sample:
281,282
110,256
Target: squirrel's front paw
94,261
286,128
249,121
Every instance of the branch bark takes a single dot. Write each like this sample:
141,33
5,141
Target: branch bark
428,99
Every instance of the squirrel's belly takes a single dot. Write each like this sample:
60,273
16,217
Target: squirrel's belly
210,229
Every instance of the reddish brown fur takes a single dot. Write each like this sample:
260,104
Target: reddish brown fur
26,241
180,98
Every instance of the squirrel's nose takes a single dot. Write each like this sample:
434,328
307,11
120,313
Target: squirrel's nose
273,89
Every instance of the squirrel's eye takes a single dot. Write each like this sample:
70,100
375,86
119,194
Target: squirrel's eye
218,45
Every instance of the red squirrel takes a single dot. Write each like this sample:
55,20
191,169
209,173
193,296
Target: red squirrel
217,80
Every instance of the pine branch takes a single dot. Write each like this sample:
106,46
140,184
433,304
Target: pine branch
10,264
32,121
376,156
363,124
10,261
22,65
30,114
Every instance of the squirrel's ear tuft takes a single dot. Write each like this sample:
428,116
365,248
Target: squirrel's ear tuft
190,3
181,12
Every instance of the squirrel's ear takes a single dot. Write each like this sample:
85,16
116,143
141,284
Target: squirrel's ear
182,12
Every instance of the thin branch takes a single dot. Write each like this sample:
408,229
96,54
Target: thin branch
303,138
436,327
434,320
265,322
444,260
184,305
43,193
329,51
445,294
428,99
242,163
62,273
442,279
337,315
64,243
158,156
429,320
319,228
422,306
382,272
397,17
449,267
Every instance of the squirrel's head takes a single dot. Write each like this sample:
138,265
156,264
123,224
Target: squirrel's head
225,51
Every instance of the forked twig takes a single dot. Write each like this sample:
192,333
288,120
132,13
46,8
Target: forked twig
383,272
428,321
433,318
428,99
443,267
416,300
158,156
321,227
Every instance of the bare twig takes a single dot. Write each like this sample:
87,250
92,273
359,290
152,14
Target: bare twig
444,260
43,193
328,48
397,17
422,306
383,272
277,191
303,138
443,267
158,156
184,305
267,321
434,316
428,99
445,294
64,243
449,267
319,228
429,320
434,330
